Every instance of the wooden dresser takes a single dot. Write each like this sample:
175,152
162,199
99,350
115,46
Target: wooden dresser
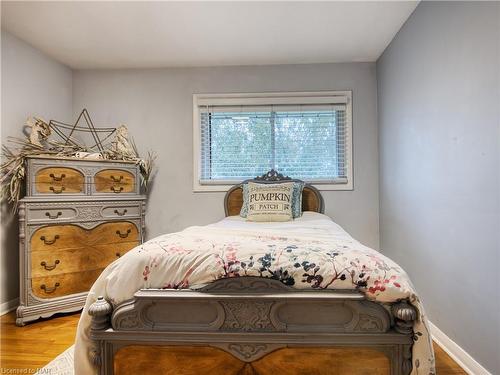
78,216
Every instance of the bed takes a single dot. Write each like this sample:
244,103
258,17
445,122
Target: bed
243,298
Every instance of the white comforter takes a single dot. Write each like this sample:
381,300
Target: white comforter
309,252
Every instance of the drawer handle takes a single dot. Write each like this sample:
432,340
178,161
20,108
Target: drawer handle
49,290
49,242
118,255
116,189
50,268
57,191
50,216
121,213
116,179
57,178
123,235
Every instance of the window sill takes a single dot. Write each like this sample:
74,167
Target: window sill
198,188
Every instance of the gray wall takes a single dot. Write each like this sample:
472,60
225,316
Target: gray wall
32,84
157,107
439,140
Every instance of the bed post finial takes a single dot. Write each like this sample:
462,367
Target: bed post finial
404,316
100,311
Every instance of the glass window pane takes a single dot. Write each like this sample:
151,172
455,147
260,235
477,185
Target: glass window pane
306,144
240,145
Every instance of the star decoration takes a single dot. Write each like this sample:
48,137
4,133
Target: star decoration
61,128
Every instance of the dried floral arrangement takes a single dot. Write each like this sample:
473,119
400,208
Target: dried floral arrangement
40,143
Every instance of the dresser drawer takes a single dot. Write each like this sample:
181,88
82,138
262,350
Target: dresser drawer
59,180
85,258
51,213
54,237
114,181
71,236
63,284
73,211
117,211
116,232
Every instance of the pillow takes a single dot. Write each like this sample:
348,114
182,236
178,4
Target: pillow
244,206
298,186
297,199
270,202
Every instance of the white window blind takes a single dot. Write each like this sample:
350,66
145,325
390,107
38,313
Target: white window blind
307,141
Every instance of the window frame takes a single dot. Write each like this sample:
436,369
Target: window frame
306,97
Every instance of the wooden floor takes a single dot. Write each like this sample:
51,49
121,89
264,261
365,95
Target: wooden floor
36,344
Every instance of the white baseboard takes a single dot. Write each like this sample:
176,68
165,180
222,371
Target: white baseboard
460,356
8,306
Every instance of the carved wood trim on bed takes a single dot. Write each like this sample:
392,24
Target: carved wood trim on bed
311,197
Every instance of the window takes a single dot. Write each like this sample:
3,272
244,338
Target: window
302,135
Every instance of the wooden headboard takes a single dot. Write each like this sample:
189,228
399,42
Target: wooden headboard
311,197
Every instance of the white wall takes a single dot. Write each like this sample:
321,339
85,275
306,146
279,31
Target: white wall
32,84
438,95
156,104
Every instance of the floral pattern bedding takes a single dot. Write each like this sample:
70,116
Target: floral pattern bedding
309,252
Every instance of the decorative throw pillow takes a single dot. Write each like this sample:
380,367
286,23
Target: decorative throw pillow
270,202
298,187
297,199
244,206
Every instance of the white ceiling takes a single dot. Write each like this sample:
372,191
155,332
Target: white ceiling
147,34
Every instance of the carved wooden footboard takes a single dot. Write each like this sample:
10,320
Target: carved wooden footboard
249,317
